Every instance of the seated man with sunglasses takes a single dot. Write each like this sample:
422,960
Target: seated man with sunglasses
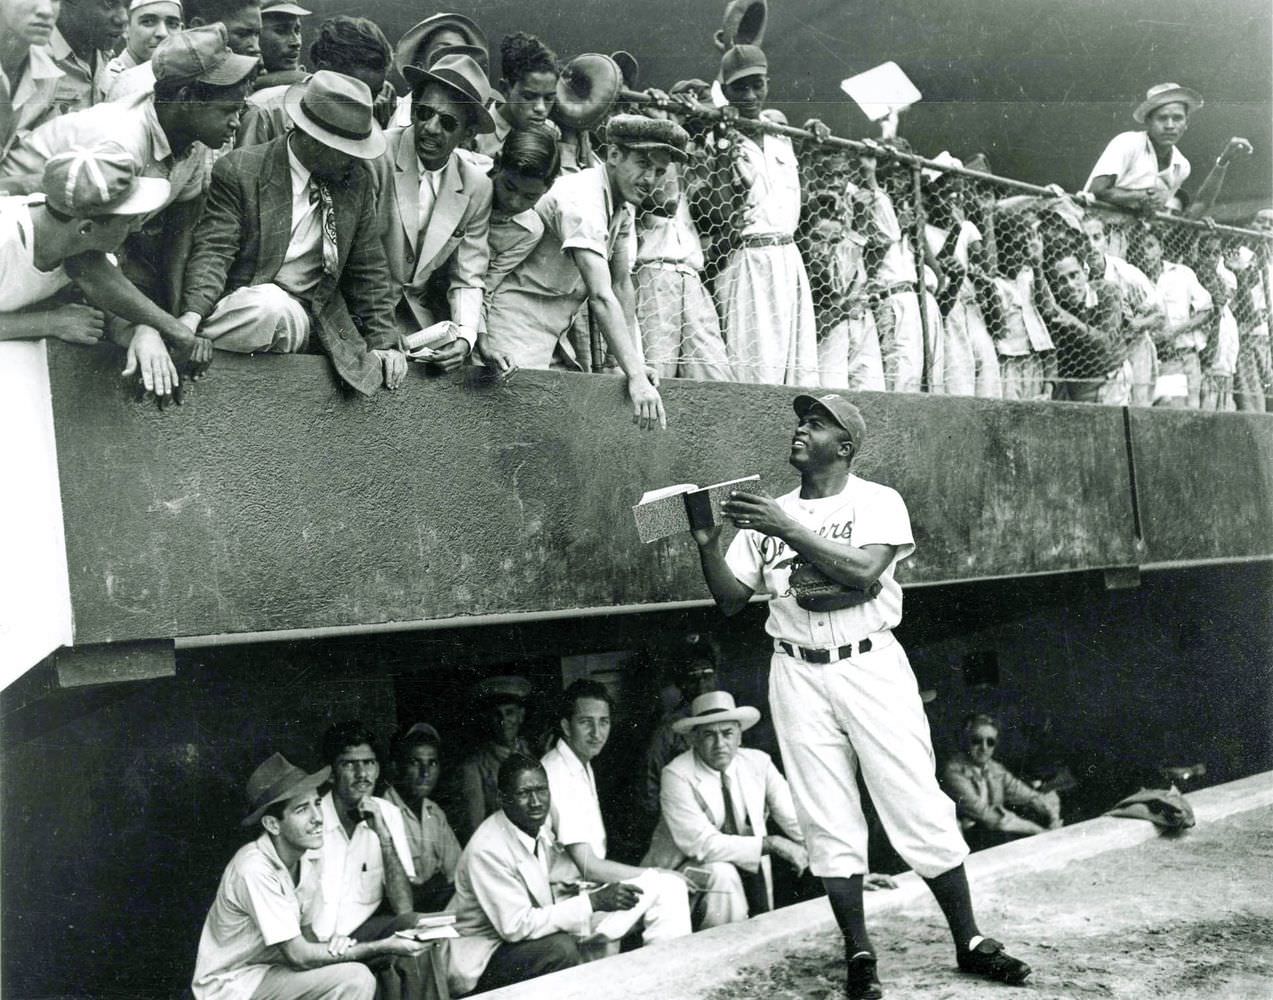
989,799
435,205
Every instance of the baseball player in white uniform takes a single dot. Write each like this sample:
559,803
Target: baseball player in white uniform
841,690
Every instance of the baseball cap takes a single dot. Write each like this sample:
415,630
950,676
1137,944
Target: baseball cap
201,55
139,4
103,180
839,409
283,7
640,132
741,61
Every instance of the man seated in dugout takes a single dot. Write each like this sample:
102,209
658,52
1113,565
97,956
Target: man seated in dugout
511,928
415,756
717,799
365,865
499,711
993,805
257,941
577,825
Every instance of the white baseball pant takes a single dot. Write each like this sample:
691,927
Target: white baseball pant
862,712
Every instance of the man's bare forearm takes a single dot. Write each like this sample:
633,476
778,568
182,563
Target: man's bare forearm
106,287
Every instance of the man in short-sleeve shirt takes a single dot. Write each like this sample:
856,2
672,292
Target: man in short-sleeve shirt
840,687
584,255
254,944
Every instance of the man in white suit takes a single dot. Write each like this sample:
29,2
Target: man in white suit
435,204
511,929
716,799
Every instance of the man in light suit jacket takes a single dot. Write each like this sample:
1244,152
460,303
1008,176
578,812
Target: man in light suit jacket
511,929
435,204
288,249
716,800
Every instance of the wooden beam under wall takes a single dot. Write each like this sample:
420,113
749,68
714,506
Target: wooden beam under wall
115,663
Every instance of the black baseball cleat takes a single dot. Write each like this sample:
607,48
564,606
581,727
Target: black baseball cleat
990,960
862,983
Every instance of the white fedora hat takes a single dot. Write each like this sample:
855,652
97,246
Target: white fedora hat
716,706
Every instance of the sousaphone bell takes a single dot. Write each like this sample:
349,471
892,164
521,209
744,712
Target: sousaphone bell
743,24
587,89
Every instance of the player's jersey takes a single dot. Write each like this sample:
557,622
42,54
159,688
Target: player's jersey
863,513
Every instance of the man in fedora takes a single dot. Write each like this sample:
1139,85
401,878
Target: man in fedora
716,799
415,758
840,687
288,251
256,942
584,256
1142,170
435,205
499,708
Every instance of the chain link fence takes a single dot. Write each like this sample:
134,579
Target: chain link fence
773,257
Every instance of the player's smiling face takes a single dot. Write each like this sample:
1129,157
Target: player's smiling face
819,441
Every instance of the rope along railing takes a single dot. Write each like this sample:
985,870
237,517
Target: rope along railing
885,270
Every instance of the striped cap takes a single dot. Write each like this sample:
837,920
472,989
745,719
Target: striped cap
102,180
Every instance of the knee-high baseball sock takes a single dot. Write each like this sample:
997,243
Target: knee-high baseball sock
951,890
845,895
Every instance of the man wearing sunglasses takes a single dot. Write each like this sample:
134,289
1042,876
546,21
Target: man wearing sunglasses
993,804
435,206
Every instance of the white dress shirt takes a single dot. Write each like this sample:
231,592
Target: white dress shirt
303,261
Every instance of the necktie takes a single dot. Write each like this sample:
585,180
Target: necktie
320,195
730,824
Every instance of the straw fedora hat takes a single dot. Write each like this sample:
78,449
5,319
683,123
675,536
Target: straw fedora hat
716,706
337,111
278,780
1167,93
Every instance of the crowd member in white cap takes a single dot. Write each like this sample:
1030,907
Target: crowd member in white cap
149,23
764,296
841,690
576,822
253,286
257,942
281,44
81,46
28,74
716,800
92,198
240,21
434,205
1142,170
584,256
354,46
415,757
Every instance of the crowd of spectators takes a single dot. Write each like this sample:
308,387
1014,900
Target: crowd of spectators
685,232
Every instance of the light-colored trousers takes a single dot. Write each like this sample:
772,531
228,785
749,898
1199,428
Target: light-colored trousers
1022,377
663,905
903,345
258,318
849,355
725,901
342,981
679,325
971,361
863,712
767,316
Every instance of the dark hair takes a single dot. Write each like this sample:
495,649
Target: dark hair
521,54
211,11
582,688
404,741
276,809
530,152
1136,244
344,42
342,736
183,92
515,765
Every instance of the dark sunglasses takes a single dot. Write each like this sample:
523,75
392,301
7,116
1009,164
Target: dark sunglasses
426,113
986,741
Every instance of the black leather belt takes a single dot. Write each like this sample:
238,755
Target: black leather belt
767,240
825,655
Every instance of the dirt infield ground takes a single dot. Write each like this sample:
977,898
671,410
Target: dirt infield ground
1178,919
